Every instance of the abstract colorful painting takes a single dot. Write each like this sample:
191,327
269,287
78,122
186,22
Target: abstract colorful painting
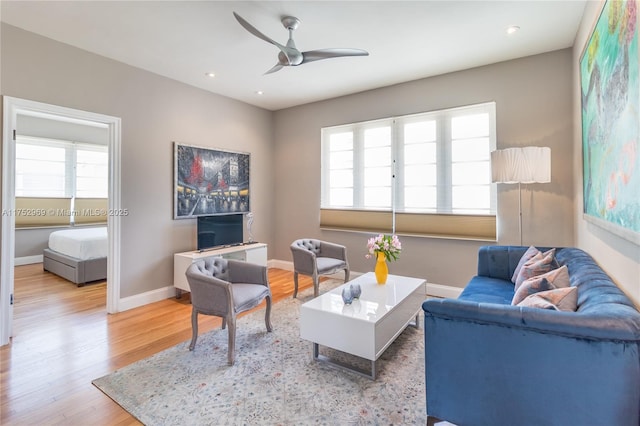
611,120
209,182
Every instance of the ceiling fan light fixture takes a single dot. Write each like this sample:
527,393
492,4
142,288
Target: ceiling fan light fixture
512,29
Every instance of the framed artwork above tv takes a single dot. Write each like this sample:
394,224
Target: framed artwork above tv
209,182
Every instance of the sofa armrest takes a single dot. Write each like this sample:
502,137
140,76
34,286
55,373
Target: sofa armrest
502,365
619,323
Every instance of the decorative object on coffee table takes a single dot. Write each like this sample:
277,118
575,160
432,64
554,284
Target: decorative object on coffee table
356,290
347,295
384,247
382,269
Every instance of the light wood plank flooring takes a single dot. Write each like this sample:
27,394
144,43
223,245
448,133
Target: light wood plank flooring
63,339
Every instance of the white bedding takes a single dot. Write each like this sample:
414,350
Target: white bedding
85,243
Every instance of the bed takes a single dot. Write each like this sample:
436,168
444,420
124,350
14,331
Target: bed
78,255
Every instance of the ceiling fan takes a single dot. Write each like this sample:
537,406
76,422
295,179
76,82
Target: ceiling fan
289,55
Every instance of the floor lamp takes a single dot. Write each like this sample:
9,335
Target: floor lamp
531,164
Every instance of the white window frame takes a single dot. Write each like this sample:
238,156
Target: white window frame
71,149
443,152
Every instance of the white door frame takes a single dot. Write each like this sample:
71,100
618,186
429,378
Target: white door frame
12,107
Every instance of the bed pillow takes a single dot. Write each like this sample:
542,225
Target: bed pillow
531,251
560,299
537,265
556,278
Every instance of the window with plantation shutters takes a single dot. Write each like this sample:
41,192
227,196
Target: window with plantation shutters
425,174
53,177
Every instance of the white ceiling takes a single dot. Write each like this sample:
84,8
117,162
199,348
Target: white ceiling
406,40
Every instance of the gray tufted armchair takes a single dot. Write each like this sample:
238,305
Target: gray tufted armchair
225,288
315,258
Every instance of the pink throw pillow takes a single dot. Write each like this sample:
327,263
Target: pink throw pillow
531,251
556,278
560,299
537,265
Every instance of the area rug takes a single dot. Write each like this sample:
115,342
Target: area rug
274,380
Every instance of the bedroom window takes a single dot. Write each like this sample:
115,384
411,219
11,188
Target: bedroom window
58,177
432,170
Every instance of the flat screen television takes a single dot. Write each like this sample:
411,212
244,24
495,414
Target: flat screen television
220,230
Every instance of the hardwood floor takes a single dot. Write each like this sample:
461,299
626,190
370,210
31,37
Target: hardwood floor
63,339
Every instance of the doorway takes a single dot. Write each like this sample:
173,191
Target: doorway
13,108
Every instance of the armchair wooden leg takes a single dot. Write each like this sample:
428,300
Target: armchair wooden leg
346,275
224,323
295,284
267,315
194,328
232,340
316,285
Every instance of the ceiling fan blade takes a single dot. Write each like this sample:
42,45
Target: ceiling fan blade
253,30
316,55
276,67
292,54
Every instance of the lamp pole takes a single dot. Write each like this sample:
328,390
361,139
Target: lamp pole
520,210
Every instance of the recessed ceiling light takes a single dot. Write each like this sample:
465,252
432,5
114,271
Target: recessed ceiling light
512,29
259,92
210,74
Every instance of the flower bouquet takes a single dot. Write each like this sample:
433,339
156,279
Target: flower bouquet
389,245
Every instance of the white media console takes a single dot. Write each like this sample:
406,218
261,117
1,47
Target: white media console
249,252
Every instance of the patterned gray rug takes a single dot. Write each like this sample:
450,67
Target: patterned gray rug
274,380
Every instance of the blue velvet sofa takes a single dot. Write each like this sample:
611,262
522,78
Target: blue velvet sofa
490,363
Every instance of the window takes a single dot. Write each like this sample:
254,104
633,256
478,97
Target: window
50,171
91,171
419,166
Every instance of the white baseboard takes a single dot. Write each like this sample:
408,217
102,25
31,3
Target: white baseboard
124,304
28,260
280,264
445,291
437,290
288,266
138,300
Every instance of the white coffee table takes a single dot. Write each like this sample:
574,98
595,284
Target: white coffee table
369,325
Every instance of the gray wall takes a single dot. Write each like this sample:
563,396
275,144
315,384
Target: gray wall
533,101
155,111
537,100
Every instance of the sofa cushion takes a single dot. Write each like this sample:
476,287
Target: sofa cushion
488,290
537,265
559,299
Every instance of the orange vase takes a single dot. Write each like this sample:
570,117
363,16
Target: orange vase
381,270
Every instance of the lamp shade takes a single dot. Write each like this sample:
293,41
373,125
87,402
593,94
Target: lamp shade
531,164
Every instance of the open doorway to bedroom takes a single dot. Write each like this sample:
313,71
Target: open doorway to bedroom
61,172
